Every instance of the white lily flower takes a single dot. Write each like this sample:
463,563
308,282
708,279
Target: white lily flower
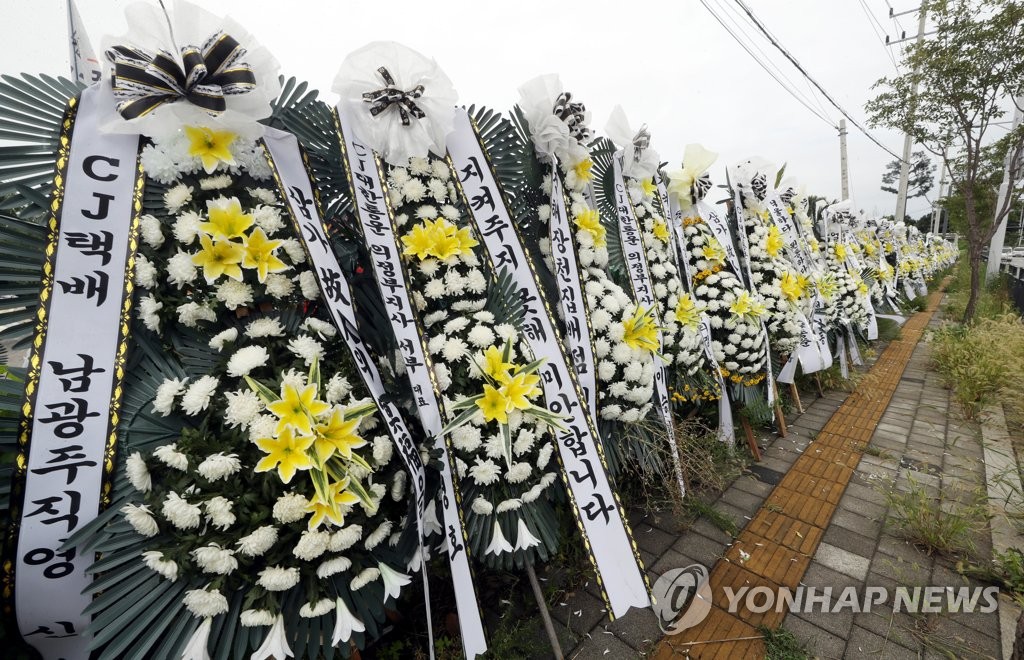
498,543
638,162
197,643
275,645
524,539
393,581
345,624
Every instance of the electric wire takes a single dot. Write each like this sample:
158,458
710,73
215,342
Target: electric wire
877,28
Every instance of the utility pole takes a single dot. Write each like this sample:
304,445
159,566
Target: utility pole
901,196
937,211
995,247
844,172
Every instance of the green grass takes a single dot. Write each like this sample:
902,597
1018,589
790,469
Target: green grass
919,516
715,517
781,644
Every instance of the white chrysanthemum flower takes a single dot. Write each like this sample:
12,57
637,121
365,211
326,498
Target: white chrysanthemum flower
343,539
235,294
466,438
256,618
306,348
186,227
181,270
455,349
166,393
263,195
313,610
484,472
278,285
513,504
322,329
219,466
264,327
205,604
141,519
176,197
383,448
223,337
243,407
215,560
171,457
145,272
481,336
218,182
311,545
148,308
308,285
152,232
197,397
155,561
267,218
219,512
290,507
191,313
481,506
366,576
295,251
378,535
181,513
333,567
518,473
138,473
246,359
278,578
257,542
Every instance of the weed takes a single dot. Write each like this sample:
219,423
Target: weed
773,507
781,644
715,517
871,450
919,516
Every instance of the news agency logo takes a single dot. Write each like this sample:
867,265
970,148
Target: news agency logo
682,599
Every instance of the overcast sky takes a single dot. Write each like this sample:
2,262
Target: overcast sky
668,63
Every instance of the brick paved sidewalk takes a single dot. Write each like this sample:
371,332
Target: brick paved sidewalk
812,513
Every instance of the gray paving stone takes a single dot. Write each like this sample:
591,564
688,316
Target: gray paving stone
857,523
899,548
669,560
908,573
742,500
818,575
837,623
871,509
581,612
893,626
638,628
753,485
852,541
708,530
652,539
843,561
603,647
816,640
702,549
863,643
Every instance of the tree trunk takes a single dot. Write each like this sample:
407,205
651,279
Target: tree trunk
974,248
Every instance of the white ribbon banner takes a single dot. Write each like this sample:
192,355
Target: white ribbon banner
726,428
635,255
604,524
570,294
294,184
69,430
369,198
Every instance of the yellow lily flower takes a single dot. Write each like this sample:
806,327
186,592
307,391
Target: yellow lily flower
687,311
337,435
713,251
212,147
419,242
641,331
286,452
791,287
226,219
773,243
218,258
466,240
590,222
259,254
840,252
583,169
493,405
519,390
338,496
494,366
295,408
660,230
648,186
747,307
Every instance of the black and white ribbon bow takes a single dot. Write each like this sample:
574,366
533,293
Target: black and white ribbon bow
787,195
393,97
759,186
143,82
574,116
641,141
701,186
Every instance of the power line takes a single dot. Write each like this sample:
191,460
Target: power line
801,69
877,28
765,67
738,21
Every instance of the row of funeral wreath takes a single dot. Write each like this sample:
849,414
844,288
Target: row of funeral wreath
287,356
